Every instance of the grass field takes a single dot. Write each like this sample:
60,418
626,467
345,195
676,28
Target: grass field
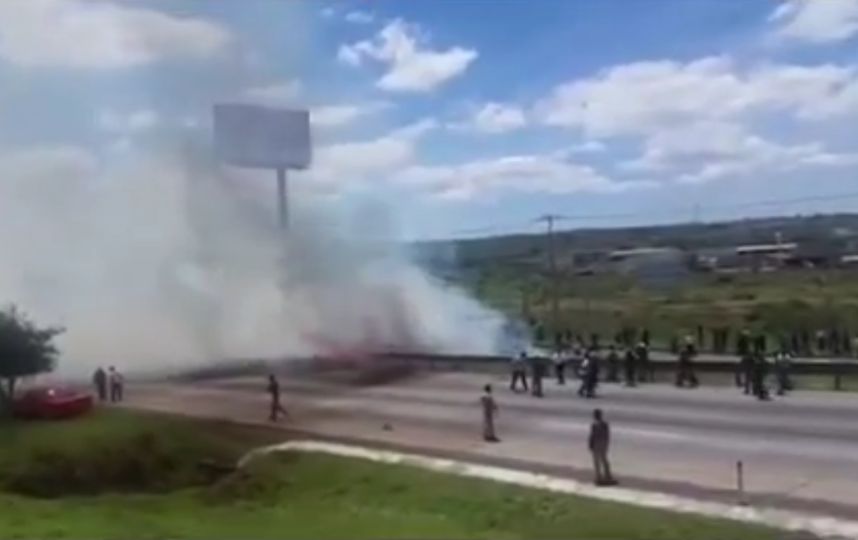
304,496
771,302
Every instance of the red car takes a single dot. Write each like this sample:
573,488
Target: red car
52,403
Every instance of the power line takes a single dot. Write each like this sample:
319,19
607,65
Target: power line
696,212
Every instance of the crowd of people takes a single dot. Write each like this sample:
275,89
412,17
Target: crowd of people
631,364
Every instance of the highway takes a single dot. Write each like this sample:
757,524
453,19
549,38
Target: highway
798,452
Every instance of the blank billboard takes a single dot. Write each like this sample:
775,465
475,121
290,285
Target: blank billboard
257,136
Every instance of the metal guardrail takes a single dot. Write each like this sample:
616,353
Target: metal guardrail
660,363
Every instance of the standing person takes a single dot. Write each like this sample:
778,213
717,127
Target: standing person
805,342
490,409
537,374
646,371
685,371
583,371
820,342
519,372
760,343
113,383
630,362
743,368
599,443
834,341
645,337
120,385
613,365
782,370
558,358
99,379
745,373
589,374
274,391
760,371
593,374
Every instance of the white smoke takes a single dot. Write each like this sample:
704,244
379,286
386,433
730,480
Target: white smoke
166,261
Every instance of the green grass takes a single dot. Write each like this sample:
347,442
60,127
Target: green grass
291,495
770,302
115,450
318,496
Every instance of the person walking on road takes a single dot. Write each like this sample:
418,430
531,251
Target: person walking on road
685,372
599,442
99,380
490,410
519,372
274,391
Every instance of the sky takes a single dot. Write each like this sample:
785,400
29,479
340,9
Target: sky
460,118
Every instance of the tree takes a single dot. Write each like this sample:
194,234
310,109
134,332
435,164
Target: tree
25,350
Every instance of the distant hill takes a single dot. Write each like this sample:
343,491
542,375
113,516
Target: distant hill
813,232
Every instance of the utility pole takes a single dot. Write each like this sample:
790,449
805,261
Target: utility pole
282,203
549,220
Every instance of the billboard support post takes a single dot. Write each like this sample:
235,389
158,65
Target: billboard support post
261,137
282,203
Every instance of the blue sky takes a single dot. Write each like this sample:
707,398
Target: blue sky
464,116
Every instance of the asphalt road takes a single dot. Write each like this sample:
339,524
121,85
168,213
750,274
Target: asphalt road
797,452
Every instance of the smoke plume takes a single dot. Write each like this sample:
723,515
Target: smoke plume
165,260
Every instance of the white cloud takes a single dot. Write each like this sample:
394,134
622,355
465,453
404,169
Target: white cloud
128,122
768,159
281,93
328,12
412,66
709,151
697,121
588,147
545,173
645,97
416,129
359,17
354,163
101,35
691,144
495,118
343,114
816,21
